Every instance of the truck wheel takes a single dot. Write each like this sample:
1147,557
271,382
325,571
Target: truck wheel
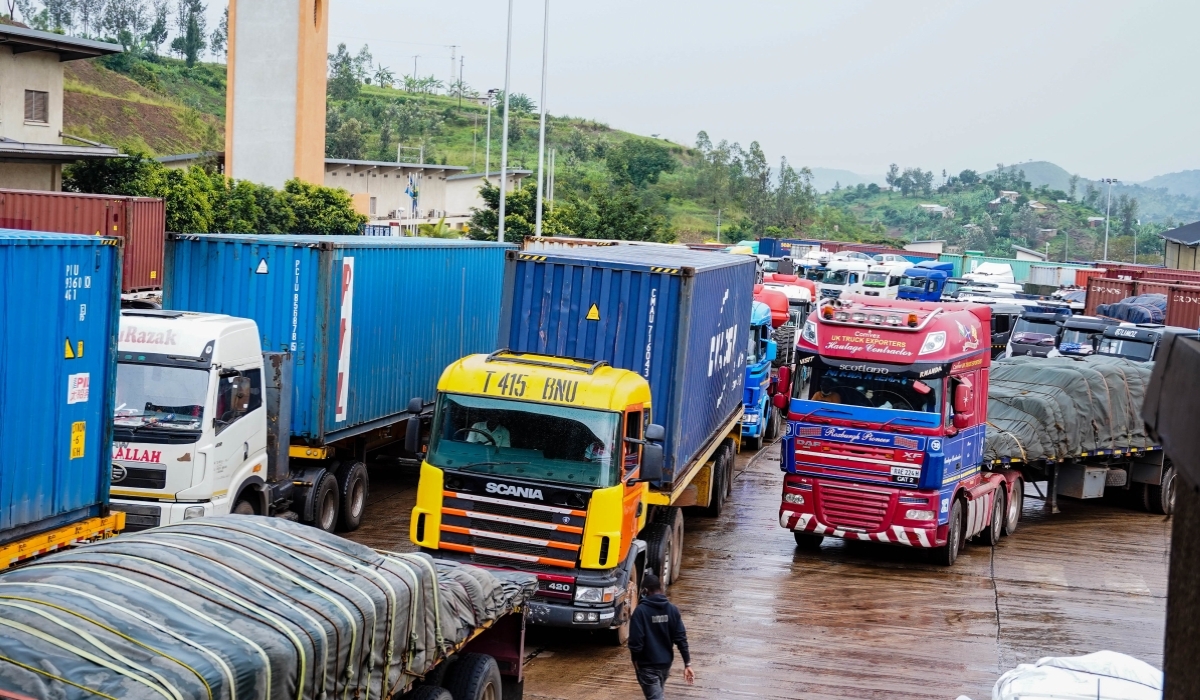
429,692
243,507
808,541
756,441
673,519
352,485
730,457
1016,503
659,554
718,486
325,504
1161,499
474,677
947,554
773,424
992,533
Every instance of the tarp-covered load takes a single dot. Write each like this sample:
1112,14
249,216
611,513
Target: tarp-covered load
1053,409
1143,308
239,607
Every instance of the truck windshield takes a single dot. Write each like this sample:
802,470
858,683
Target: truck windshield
1032,325
170,397
519,439
907,281
1078,336
854,388
837,277
1131,349
875,279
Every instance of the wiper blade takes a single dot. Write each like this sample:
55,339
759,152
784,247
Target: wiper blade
487,463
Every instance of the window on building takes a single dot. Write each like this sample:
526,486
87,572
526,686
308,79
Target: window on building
37,106
372,206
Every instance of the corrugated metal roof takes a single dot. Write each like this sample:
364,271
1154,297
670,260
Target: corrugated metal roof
647,257
340,241
1188,235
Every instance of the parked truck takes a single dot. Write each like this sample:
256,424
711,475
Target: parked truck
61,296
925,281
281,363
614,402
885,442
760,419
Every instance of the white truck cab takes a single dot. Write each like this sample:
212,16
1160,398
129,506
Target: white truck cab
843,277
882,281
189,426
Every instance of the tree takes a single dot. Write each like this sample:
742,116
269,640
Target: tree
893,175
383,76
347,141
219,41
520,103
969,178
638,162
1127,208
322,210
125,20
190,24
460,88
1072,184
156,34
362,65
343,84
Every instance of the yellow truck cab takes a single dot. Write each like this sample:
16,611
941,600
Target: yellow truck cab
541,463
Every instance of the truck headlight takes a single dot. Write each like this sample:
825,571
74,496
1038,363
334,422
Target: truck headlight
193,512
796,498
809,333
588,594
914,514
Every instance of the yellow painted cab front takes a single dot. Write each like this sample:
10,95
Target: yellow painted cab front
533,464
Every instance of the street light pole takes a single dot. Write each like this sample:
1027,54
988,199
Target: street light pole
537,226
1107,213
504,131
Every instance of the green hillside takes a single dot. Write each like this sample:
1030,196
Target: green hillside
1186,182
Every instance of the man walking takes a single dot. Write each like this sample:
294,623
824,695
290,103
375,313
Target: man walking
654,629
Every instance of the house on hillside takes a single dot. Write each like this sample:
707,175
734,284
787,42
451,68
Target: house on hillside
1094,221
33,147
1038,206
1021,253
935,210
399,195
1006,197
1181,244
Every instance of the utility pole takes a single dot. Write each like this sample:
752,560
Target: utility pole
718,226
453,64
553,164
461,59
1107,212
474,140
504,131
487,168
415,66
537,225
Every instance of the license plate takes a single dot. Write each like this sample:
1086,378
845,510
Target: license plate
904,475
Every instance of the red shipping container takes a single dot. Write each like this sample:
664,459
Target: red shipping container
1082,275
1102,290
1183,306
141,221
1148,286
1177,276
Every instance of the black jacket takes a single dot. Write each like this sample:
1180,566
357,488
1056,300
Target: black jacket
656,627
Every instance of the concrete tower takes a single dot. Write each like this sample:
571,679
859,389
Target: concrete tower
275,102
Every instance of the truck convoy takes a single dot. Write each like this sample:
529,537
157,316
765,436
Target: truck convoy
61,298
280,362
886,441
615,400
759,418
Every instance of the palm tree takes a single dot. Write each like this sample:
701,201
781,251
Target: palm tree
384,76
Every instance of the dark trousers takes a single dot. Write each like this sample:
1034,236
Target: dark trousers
652,679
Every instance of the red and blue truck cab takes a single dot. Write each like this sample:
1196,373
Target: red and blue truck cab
885,439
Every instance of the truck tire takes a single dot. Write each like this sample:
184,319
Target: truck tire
756,441
1160,499
243,507
619,635
947,554
773,424
808,541
1016,503
474,677
352,486
659,554
673,519
719,486
995,529
429,692
325,503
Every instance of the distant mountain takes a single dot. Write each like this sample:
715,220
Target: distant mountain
825,178
1186,182
1040,172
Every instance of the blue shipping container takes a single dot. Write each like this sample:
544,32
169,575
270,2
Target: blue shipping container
678,317
384,314
61,298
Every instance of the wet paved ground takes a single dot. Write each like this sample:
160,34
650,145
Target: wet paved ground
861,620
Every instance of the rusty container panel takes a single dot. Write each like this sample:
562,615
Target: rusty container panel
1183,306
1151,286
1102,290
1083,275
1191,277
140,221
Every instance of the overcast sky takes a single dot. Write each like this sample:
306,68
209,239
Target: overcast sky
1104,88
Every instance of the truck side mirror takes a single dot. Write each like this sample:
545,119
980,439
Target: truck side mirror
784,381
772,351
961,420
412,434
415,405
780,401
962,398
652,462
655,433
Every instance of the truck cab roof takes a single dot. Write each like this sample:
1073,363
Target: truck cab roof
187,334
1141,332
877,329
569,382
1088,323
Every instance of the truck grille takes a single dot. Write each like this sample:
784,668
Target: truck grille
529,533
140,478
139,517
854,508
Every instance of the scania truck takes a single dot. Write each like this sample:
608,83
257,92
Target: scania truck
615,402
281,363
